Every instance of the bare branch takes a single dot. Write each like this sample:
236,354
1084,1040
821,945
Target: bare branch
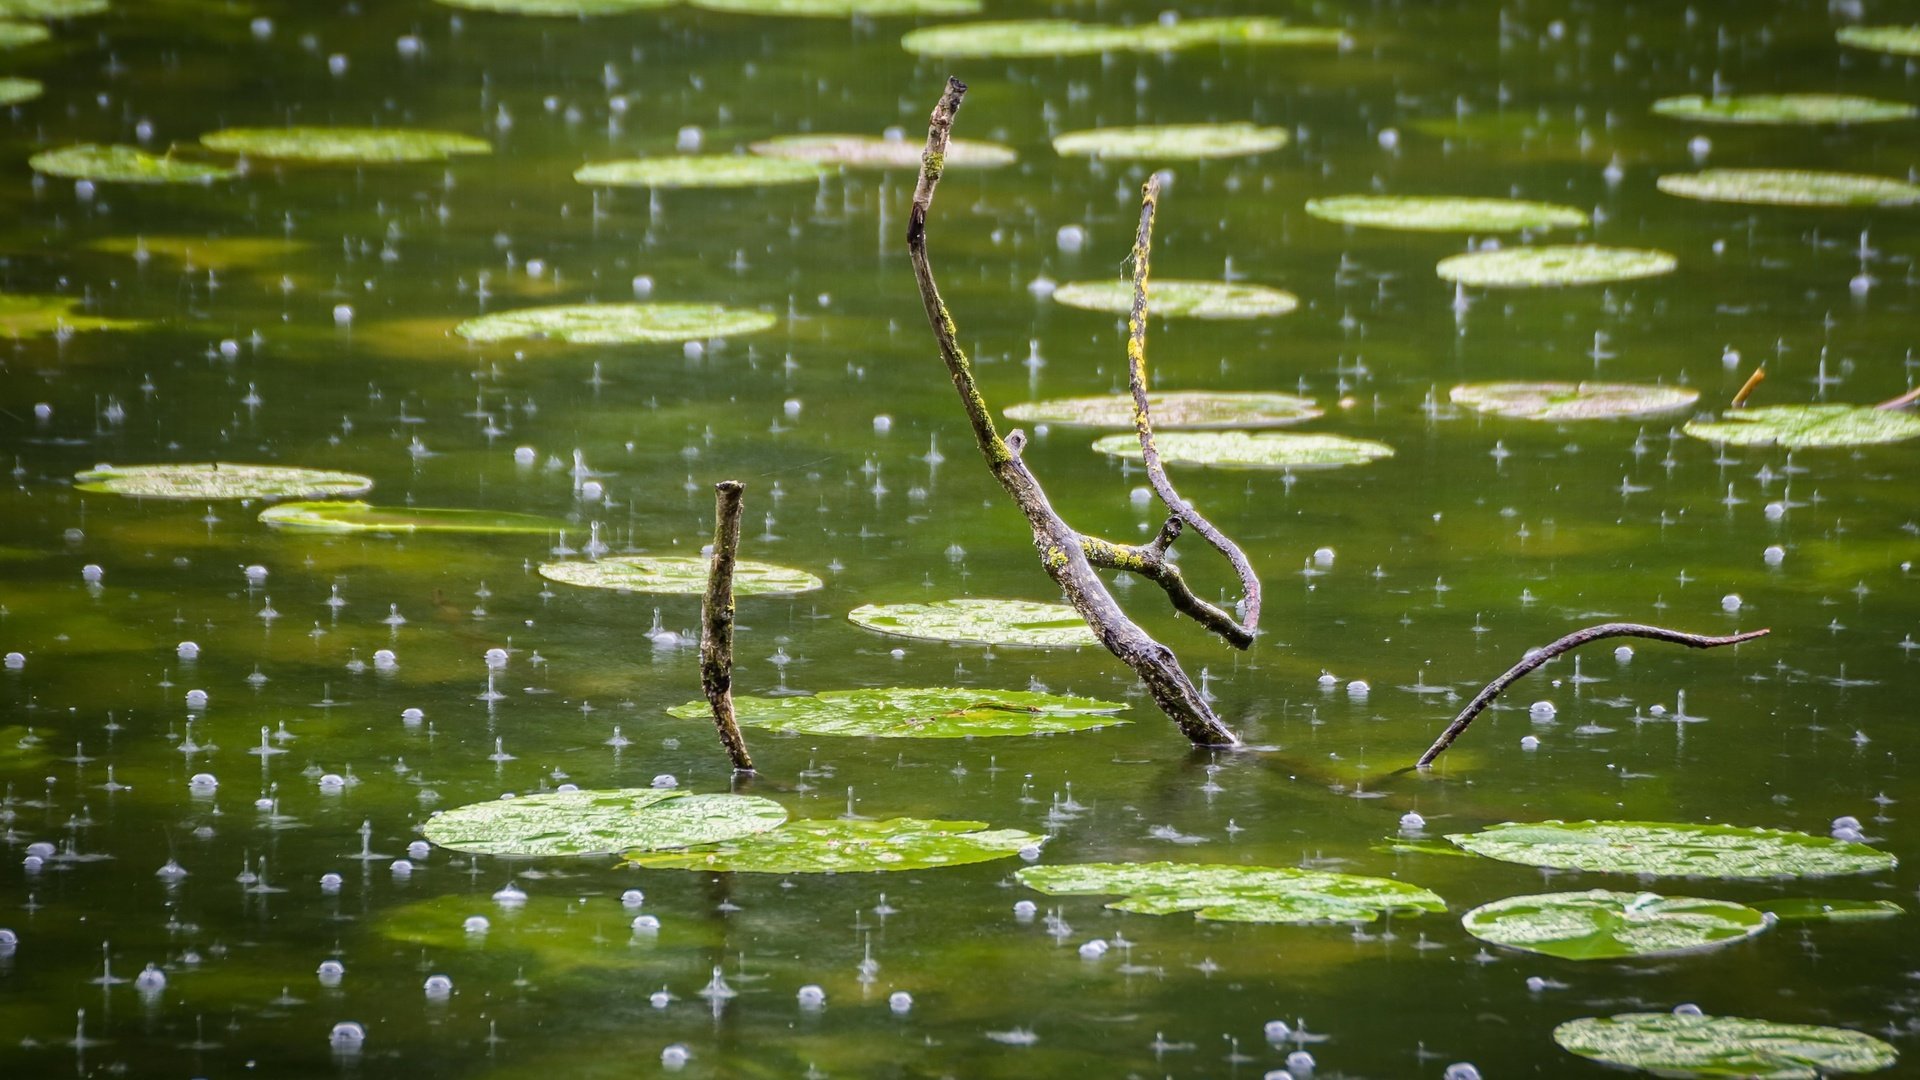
1567,644
1902,401
716,631
1739,399
1151,562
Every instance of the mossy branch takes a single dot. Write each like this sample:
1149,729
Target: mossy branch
716,629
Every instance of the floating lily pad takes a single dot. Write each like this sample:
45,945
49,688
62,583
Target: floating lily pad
345,144
677,575
1435,213
559,8
1899,40
205,252
219,480
600,822
30,316
1784,109
617,324
1670,1044
970,621
842,9
930,713
1571,401
1267,894
1790,187
15,34
870,152
1171,142
1180,299
1191,410
1603,925
1061,37
1241,450
700,171
50,9
850,847
1664,849
16,91
125,165
1567,264
348,517
1809,910
1801,427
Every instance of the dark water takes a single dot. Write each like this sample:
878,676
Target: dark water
1480,539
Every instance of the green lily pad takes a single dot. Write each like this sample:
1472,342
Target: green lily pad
124,165
1173,299
677,575
1784,109
345,144
1899,40
1571,401
1268,894
617,324
1790,187
30,316
1566,264
206,252
1061,37
1799,909
870,152
1195,410
219,480
929,713
1603,925
17,91
1669,1044
604,822
15,34
1171,142
700,171
842,9
576,9
1241,450
50,9
1801,427
971,621
1666,849
1435,213
350,517
849,847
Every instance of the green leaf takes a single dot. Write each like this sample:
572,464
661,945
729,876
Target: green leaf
925,713
1168,299
28,316
617,324
1189,410
1567,264
345,144
1434,213
1784,109
603,822
842,9
1790,187
1401,845
849,846
1801,427
124,165
1666,849
219,480
974,621
699,171
349,517
677,575
16,91
1234,893
1571,401
1899,40
1603,925
1669,1044
869,152
1060,37
1171,142
1240,450
50,9
1811,910
559,8
15,34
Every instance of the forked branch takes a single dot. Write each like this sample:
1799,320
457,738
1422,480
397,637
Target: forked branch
716,622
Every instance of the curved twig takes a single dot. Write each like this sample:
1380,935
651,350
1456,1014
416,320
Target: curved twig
716,630
1150,561
1902,401
1567,644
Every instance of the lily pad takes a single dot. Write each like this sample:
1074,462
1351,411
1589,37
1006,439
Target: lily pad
1801,427
1171,142
1061,37
1899,40
17,91
1603,925
206,252
1571,401
849,847
1784,109
1809,910
1565,264
15,34
842,9
1191,410
558,8
603,822
125,165
345,144
972,621
1435,213
617,324
1665,849
30,316
677,575
1173,299
219,480
349,517
50,9
700,171
1790,187
1671,1044
870,152
1268,894
929,713
1241,450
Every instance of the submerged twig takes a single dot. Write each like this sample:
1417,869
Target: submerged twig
1759,375
1902,401
716,630
1567,644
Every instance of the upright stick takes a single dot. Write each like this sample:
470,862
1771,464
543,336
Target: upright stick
716,631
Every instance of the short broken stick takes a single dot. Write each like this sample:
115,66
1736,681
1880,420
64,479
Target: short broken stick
716,631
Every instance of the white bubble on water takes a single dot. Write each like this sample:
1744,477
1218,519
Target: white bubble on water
1411,821
1070,239
689,139
1542,711
187,650
419,850
811,997
476,924
900,1002
1623,654
438,987
347,1037
92,574
1529,742
632,898
1730,603
343,314
1093,950
675,1056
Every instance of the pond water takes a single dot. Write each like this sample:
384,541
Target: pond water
302,314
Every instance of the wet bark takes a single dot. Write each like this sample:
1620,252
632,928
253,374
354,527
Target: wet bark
716,618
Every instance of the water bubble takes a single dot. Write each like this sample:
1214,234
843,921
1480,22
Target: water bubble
1536,984
40,849
1774,555
8,939
1071,238
1278,1031
1358,688
524,455
645,924
1042,287
32,864
1542,711
509,895
332,783
1093,950
592,491
1699,146
202,783
476,924
419,850
347,1037
660,999
1623,654
632,898
1412,822
262,28
496,658
337,64
1323,556
438,987
1030,852
1688,1009
791,407
1025,910
900,1002
1774,511
1460,1070
1850,836
811,997
331,882
196,699
92,574
411,717
330,972
642,286
882,424
151,980
1300,1064
343,314
407,45
1846,821
675,1056
1529,742
187,650
689,139
385,660
255,574
665,780
1730,603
